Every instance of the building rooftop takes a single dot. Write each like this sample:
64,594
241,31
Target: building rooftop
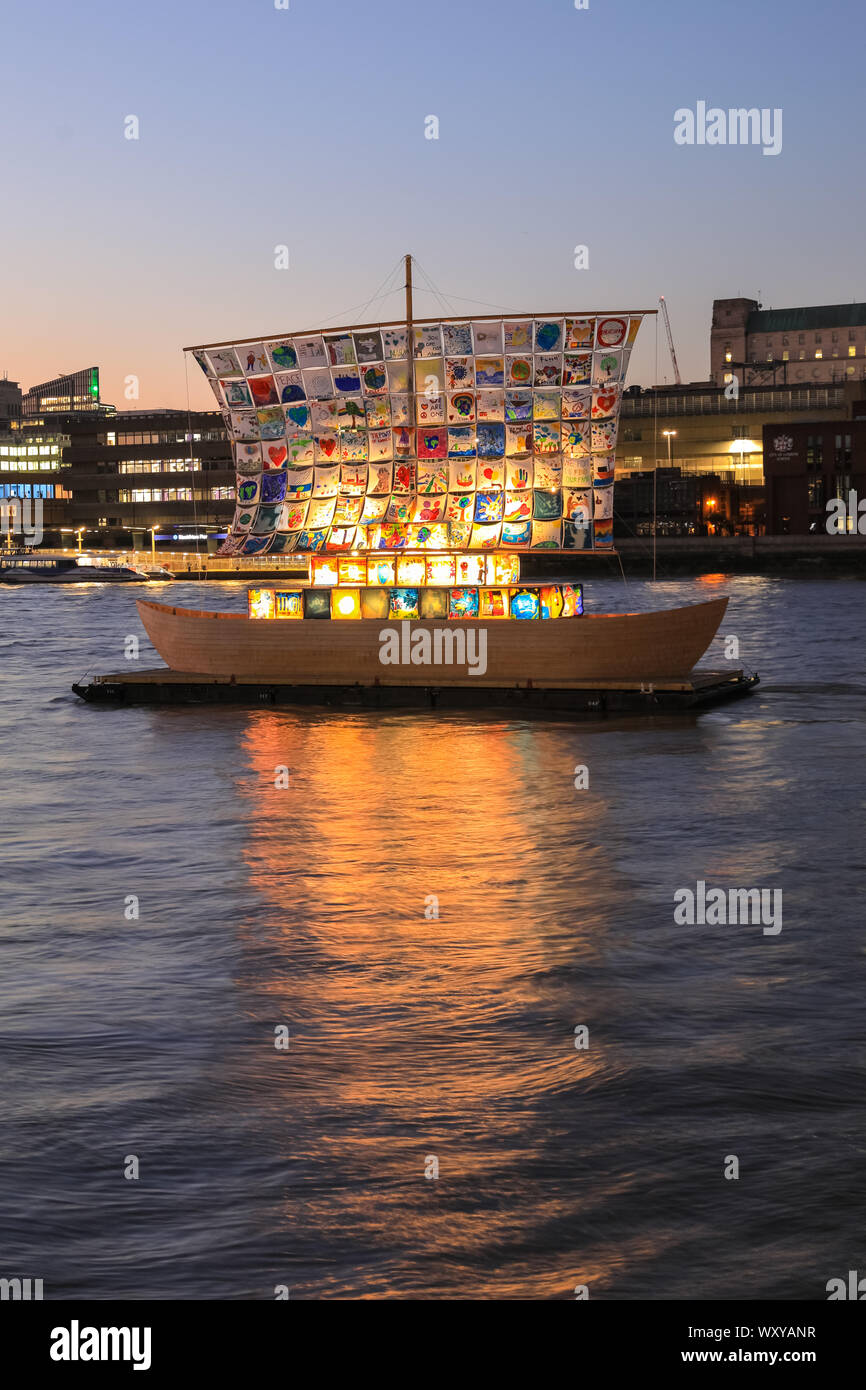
814,317
164,410
703,399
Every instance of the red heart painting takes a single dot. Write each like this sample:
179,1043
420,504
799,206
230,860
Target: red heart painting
327,446
276,454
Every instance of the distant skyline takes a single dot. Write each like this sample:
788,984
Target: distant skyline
306,128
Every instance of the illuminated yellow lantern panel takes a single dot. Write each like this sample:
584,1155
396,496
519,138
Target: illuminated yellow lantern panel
261,603
463,603
353,571
289,604
345,603
572,600
441,569
382,572
410,571
403,603
494,603
325,571
503,569
471,569
525,603
375,603
434,603
551,601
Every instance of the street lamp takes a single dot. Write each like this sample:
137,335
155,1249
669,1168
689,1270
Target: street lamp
153,531
669,434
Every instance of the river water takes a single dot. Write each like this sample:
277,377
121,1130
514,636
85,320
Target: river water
149,1043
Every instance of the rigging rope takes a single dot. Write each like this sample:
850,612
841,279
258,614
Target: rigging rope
380,294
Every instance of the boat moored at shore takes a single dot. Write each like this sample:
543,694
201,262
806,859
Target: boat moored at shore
401,648
45,568
412,467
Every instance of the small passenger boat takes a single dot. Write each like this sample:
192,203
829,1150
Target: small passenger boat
42,567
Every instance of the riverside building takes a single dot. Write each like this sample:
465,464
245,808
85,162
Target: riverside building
807,464
811,345
115,477
77,392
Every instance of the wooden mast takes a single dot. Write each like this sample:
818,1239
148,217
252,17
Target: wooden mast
410,369
408,291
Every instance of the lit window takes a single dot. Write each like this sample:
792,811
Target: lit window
728,355
785,354
852,352
819,353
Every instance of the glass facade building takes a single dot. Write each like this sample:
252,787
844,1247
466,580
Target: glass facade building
76,392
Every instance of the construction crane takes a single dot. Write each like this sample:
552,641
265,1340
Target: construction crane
664,309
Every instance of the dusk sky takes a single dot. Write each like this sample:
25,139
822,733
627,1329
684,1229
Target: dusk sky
306,127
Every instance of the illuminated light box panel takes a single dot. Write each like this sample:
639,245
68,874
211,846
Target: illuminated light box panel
418,570
417,602
504,437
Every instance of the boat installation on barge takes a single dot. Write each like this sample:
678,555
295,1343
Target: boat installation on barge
411,465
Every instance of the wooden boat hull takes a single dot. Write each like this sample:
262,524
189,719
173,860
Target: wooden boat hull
661,645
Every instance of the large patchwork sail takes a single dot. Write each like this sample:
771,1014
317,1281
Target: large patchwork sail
434,434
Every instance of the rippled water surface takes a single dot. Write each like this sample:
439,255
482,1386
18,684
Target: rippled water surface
413,1039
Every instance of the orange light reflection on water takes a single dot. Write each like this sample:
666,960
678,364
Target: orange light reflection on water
411,1034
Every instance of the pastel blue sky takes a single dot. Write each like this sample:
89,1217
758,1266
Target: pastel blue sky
305,126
